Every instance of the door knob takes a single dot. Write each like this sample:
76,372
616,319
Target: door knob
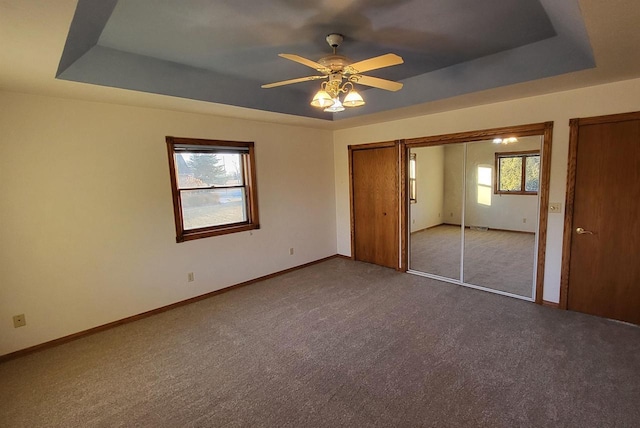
581,231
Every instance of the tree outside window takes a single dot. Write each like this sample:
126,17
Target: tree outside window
517,173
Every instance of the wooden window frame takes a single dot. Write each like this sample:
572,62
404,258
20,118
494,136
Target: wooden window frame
247,151
496,172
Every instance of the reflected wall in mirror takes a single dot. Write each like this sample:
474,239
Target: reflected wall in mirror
436,233
476,213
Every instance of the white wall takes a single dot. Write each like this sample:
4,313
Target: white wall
87,230
558,107
427,211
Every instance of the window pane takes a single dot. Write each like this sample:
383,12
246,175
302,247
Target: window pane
412,190
532,174
208,169
511,174
213,207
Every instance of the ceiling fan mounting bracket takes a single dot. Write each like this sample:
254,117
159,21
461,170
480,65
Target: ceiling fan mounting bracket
334,39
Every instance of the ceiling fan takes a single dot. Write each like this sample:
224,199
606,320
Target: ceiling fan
338,68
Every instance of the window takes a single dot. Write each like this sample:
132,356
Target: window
214,187
413,194
518,173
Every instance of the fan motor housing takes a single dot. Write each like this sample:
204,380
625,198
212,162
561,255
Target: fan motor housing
335,62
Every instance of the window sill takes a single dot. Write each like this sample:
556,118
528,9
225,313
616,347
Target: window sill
516,193
223,230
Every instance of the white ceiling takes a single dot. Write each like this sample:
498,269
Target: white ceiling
34,32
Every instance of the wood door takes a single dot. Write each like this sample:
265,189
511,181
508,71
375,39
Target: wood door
375,217
604,234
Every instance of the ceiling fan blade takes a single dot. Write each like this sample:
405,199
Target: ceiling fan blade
381,61
290,81
376,82
300,60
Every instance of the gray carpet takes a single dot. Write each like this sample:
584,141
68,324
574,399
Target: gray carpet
337,344
495,259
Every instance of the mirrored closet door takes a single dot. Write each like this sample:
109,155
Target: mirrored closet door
474,213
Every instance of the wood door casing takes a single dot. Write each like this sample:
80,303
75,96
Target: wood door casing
374,184
601,271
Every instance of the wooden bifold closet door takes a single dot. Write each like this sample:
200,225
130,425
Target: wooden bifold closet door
374,198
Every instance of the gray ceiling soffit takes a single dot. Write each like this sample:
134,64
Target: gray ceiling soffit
88,21
198,60
567,52
109,67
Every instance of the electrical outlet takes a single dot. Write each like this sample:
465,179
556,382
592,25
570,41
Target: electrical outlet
555,207
190,277
524,220
291,251
19,321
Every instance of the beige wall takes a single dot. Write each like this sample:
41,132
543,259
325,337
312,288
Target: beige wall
558,107
87,230
87,234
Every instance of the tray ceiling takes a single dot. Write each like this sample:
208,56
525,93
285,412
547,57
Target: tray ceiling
222,51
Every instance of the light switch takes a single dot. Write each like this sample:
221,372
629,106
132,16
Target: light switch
555,207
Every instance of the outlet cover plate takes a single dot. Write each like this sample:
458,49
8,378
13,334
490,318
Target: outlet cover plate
19,321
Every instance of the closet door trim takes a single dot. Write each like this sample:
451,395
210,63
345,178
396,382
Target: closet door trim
545,129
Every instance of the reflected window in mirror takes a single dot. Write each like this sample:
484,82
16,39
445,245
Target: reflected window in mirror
485,173
517,173
413,194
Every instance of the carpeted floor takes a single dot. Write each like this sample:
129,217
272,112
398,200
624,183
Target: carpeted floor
337,344
494,259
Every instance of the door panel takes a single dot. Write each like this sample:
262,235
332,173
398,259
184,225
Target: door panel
375,205
604,266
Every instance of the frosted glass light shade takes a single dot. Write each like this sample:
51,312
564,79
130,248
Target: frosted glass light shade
353,99
336,107
322,99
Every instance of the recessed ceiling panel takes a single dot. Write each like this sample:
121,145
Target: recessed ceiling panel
243,38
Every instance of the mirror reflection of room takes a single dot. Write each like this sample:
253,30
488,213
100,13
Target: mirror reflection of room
436,234
475,214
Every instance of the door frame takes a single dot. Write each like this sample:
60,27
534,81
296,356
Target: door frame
574,128
545,129
400,192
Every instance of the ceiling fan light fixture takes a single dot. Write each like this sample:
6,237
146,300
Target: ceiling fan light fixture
353,99
340,74
336,107
507,140
322,99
